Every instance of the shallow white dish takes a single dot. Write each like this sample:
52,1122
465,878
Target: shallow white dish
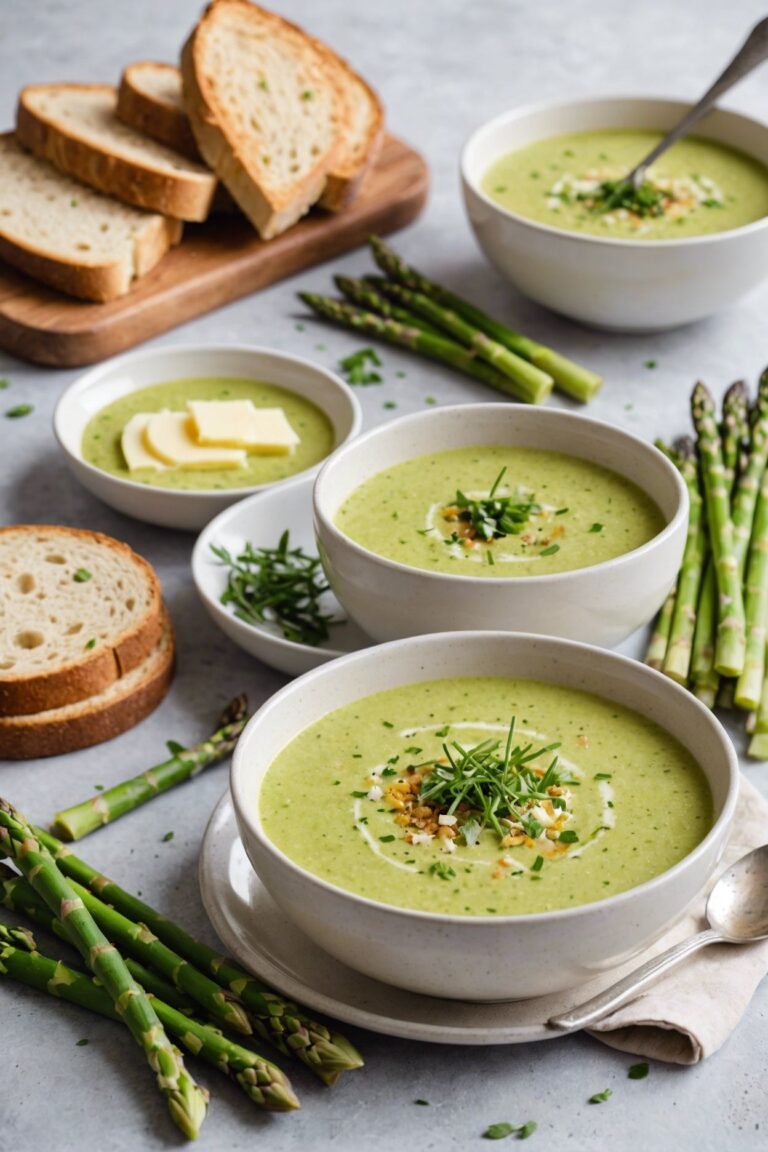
254,929
627,285
481,957
602,604
116,378
261,520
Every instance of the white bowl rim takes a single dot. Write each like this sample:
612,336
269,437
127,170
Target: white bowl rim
637,668
91,378
627,244
202,547
669,529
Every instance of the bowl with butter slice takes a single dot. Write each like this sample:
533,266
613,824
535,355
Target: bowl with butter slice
173,436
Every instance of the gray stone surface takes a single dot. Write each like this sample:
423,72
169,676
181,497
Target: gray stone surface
443,67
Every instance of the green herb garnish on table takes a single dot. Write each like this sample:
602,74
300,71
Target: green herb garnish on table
356,370
281,586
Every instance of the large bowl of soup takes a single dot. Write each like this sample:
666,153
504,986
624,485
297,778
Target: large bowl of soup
497,516
484,816
269,417
537,183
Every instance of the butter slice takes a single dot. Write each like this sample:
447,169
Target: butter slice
135,451
240,424
169,436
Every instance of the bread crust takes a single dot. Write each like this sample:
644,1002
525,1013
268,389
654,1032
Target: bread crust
26,695
271,212
155,118
29,737
184,196
345,182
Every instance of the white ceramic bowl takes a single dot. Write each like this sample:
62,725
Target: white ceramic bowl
115,378
261,521
628,285
602,604
481,957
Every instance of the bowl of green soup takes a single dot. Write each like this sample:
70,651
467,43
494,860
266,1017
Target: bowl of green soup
175,435
542,189
498,516
484,816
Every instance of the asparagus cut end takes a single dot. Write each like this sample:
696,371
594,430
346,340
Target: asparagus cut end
758,747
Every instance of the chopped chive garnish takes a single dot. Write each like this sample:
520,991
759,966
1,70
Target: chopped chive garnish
550,551
386,839
603,776
568,837
168,836
650,364
19,410
441,870
638,1071
422,1103
359,795
355,367
596,528
538,864
561,511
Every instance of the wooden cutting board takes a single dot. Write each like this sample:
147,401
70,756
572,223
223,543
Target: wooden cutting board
215,263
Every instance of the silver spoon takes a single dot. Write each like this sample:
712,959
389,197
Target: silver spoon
753,52
737,913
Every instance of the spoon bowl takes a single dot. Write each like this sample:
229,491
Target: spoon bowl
737,908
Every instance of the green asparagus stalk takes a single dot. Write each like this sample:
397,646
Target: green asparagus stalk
365,296
704,678
187,1102
731,641
657,645
734,429
184,764
572,378
678,655
522,372
750,684
751,477
17,936
757,723
262,1082
290,1030
434,347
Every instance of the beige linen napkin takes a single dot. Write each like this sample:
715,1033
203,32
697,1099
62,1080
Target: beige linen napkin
692,1011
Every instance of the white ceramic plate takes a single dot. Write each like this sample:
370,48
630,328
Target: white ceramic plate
264,940
173,507
262,519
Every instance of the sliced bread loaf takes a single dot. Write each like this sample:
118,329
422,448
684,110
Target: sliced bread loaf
150,100
119,707
75,127
67,235
78,612
267,108
361,143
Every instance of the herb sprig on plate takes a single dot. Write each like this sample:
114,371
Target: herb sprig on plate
495,782
492,517
281,586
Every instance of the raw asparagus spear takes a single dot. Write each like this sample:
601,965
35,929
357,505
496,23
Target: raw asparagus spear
704,678
364,295
427,344
731,642
17,936
678,656
751,477
750,684
262,1082
292,1032
734,428
187,1102
657,645
184,764
758,745
440,317
570,377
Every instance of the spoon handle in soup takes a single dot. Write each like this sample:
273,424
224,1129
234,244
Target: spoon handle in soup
631,986
753,51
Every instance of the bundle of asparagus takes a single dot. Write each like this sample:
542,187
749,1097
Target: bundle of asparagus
710,634
150,974
405,308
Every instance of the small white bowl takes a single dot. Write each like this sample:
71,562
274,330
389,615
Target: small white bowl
601,604
193,508
481,957
261,521
626,285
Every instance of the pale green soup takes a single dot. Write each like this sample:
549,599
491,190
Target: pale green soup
579,513
101,439
708,187
637,801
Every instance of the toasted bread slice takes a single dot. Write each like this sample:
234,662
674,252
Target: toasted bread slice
78,612
68,236
119,707
267,109
74,126
362,141
150,100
